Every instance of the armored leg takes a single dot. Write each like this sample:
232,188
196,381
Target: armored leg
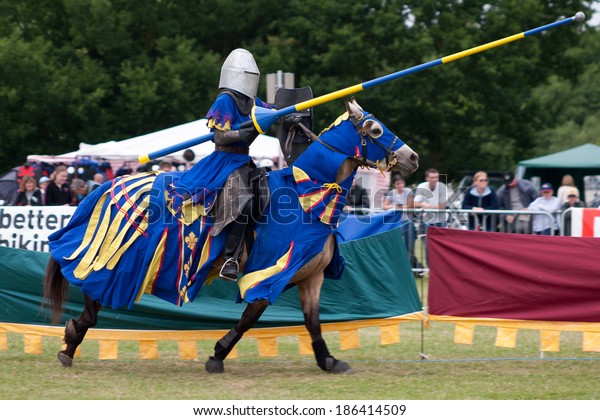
234,245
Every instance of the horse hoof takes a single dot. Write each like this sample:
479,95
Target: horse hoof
65,360
342,367
337,366
213,365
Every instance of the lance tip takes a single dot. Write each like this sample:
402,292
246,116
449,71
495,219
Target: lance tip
579,17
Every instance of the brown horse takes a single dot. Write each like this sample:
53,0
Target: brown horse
355,139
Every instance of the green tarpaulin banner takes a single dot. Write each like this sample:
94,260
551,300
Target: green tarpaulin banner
377,283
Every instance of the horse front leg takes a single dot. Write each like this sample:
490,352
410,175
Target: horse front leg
75,330
251,314
309,298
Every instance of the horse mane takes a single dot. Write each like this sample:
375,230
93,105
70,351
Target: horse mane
338,121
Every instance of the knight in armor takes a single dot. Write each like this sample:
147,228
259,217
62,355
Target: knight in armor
236,204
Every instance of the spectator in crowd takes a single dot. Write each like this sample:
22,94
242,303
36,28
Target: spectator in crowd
95,182
566,185
28,169
46,169
401,198
105,169
516,194
542,224
78,191
126,169
358,201
58,192
572,201
479,197
29,194
267,163
432,194
397,197
165,166
44,181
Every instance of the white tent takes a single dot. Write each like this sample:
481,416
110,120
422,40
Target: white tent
127,152
129,149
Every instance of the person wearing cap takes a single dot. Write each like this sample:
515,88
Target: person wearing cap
224,174
516,194
543,224
567,184
267,163
573,200
43,184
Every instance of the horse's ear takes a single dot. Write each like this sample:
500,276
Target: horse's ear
354,108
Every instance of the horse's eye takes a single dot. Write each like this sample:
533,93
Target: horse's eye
375,130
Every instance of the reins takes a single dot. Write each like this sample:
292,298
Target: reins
390,159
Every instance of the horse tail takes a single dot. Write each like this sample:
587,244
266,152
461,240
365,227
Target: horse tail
56,288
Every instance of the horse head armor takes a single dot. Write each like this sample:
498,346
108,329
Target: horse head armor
379,148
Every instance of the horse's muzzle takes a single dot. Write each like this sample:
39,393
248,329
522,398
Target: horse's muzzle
408,160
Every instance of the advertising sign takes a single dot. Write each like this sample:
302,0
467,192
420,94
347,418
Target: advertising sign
585,222
28,227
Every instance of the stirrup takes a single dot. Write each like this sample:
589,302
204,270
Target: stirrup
229,270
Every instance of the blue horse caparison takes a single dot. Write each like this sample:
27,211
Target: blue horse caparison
140,234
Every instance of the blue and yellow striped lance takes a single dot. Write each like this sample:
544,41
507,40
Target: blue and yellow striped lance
263,118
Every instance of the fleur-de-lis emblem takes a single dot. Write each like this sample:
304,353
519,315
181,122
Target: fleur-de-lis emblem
191,240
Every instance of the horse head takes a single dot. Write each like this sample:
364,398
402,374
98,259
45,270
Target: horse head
374,144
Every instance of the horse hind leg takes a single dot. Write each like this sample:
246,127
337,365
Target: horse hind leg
75,330
251,314
325,360
309,297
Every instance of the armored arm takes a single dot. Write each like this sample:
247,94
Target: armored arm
246,135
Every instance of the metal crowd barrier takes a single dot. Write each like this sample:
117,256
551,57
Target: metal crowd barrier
459,219
414,232
564,220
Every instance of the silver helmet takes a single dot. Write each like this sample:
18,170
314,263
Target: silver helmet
240,73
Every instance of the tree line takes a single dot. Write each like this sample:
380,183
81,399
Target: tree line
90,71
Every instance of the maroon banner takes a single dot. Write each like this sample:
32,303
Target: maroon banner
513,276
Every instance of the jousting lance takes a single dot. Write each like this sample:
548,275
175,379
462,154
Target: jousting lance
263,118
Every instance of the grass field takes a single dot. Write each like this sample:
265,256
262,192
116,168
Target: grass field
480,371
393,372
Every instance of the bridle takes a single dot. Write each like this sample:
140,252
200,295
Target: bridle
358,123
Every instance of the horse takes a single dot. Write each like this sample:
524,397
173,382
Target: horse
294,238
